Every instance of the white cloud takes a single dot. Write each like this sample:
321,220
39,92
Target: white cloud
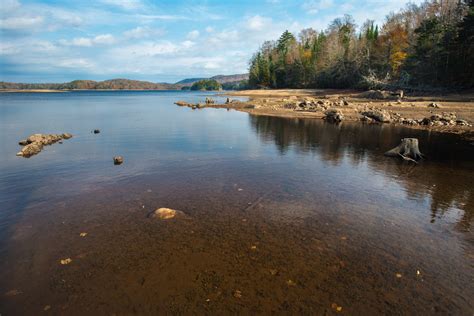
164,17
80,63
209,29
188,44
257,22
143,32
314,6
103,39
21,23
9,5
124,4
145,49
193,34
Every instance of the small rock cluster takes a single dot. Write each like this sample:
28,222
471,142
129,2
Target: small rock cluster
383,116
35,143
191,105
444,119
333,116
209,100
310,104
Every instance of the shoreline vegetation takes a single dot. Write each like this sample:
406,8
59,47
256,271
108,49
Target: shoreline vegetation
425,47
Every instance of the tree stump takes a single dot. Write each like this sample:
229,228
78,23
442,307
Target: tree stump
408,150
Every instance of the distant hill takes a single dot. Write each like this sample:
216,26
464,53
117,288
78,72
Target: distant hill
117,84
189,81
220,78
230,78
113,84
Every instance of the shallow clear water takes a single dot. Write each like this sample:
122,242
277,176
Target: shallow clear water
332,219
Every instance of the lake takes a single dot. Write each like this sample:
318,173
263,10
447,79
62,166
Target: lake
280,215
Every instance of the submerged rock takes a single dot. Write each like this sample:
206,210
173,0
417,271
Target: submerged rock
166,213
34,143
182,103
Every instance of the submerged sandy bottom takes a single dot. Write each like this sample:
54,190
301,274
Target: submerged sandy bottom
257,246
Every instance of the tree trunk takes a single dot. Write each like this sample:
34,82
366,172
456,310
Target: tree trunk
408,150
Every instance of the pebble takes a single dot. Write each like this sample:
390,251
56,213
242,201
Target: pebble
118,160
66,261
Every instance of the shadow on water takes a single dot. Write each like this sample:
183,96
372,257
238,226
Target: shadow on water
447,175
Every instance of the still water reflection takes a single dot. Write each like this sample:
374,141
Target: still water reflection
446,177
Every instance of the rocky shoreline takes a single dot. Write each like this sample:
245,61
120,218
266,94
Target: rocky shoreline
377,107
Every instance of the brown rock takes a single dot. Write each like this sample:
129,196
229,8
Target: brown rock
165,213
118,160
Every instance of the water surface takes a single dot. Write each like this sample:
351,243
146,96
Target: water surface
297,215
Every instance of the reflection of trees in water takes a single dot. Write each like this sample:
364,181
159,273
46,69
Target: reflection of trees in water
447,176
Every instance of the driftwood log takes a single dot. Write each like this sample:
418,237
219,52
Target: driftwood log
407,150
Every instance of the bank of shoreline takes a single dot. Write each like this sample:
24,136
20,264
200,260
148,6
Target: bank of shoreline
272,103
72,90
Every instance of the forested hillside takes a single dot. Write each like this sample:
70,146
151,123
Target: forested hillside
206,84
114,84
426,45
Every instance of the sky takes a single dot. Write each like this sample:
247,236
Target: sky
158,41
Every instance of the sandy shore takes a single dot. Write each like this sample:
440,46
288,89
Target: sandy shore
272,103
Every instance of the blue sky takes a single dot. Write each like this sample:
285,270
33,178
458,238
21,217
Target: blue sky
159,41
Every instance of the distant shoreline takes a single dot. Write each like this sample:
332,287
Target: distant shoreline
70,90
